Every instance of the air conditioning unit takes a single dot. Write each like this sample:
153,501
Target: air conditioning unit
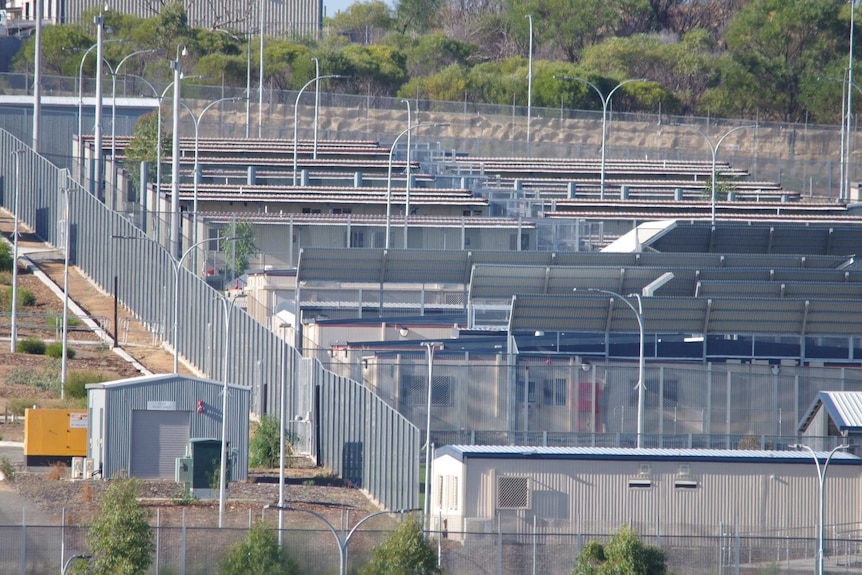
89,468
184,470
78,468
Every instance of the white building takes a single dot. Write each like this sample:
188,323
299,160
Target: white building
660,491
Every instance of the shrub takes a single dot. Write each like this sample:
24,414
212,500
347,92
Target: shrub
263,447
405,551
5,275
258,553
17,405
5,258
55,322
55,350
624,553
57,471
47,378
31,345
26,298
120,537
76,382
7,468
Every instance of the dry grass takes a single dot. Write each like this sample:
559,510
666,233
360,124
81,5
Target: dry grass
86,495
58,471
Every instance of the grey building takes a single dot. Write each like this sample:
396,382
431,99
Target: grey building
291,18
142,425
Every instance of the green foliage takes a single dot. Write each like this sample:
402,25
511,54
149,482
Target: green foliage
263,446
43,379
184,496
405,551
258,553
31,345
56,321
7,468
364,22
5,258
142,147
120,538
17,405
239,250
623,554
76,382
55,350
25,298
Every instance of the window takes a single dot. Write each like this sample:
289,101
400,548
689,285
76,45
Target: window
531,392
357,239
452,499
414,390
513,492
554,391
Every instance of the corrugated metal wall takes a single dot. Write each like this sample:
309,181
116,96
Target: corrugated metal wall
752,497
121,400
290,18
103,245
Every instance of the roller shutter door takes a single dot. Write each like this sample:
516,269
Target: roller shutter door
158,438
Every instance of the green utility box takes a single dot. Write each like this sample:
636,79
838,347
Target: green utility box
206,463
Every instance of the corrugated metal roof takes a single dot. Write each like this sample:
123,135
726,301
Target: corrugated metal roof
460,452
844,409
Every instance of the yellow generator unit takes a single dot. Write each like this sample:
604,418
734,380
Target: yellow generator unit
54,435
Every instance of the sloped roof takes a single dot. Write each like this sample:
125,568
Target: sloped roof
843,407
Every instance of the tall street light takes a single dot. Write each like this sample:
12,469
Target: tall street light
196,176
114,72
317,78
228,308
430,347
100,41
261,78
605,101
530,84
316,104
407,183
18,184
849,107
844,184
67,228
175,155
389,173
342,541
714,151
821,477
640,386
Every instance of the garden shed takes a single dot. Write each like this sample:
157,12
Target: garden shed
480,489
142,425
833,414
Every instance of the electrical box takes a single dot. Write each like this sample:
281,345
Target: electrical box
184,470
206,465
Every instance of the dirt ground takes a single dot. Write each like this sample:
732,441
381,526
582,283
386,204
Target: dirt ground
306,486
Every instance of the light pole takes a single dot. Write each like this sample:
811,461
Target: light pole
316,104
72,558
228,308
261,78
196,176
175,156
640,386
177,267
317,78
821,477
844,184
407,183
605,101
100,41
530,84
343,542
67,227
81,102
430,347
389,174
849,107
714,151
18,183
114,72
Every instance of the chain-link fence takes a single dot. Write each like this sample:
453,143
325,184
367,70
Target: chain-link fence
193,549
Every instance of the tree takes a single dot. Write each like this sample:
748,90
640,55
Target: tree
405,551
241,248
120,538
258,553
623,554
264,444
